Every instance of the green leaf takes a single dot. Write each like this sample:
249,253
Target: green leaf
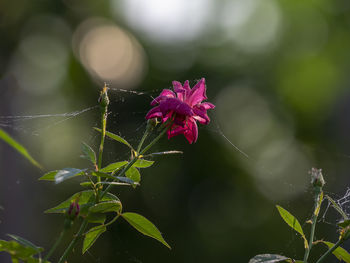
141,163
337,207
268,258
96,218
17,250
113,166
26,243
104,207
91,237
292,222
86,199
164,153
88,153
116,138
9,140
104,175
133,174
61,175
125,180
144,226
339,252
344,224
86,184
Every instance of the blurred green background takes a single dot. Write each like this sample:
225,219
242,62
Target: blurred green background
277,70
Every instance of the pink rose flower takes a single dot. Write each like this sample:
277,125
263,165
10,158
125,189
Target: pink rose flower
185,106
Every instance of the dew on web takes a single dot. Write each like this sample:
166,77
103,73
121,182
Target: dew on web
340,206
19,122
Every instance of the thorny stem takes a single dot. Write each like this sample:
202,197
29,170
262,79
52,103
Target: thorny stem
74,241
53,248
318,192
329,251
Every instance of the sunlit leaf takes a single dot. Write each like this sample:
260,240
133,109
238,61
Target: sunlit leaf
88,153
125,180
91,237
133,174
17,146
85,199
339,252
104,175
104,207
86,184
96,218
116,138
26,243
268,258
17,250
164,153
144,226
141,163
59,176
113,166
292,222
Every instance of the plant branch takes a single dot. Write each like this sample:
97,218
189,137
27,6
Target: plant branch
74,241
318,193
329,251
53,248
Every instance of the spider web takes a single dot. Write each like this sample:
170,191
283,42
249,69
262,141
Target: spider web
118,98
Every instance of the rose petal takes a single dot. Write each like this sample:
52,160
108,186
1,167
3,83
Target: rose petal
180,91
207,105
166,93
175,105
197,94
153,113
177,130
191,132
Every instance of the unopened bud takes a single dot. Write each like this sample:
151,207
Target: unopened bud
151,124
73,210
103,99
317,177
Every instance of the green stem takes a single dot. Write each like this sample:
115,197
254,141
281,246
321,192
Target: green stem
142,141
104,225
74,241
329,251
318,192
103,135
53,248
154,141
133,160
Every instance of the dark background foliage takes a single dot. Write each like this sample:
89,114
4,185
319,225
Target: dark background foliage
277,70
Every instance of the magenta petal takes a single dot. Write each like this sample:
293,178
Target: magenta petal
175,105
191,133
187,87
197,94
180,91
201,116
177,86
207,105
153,113
166,93
175,131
